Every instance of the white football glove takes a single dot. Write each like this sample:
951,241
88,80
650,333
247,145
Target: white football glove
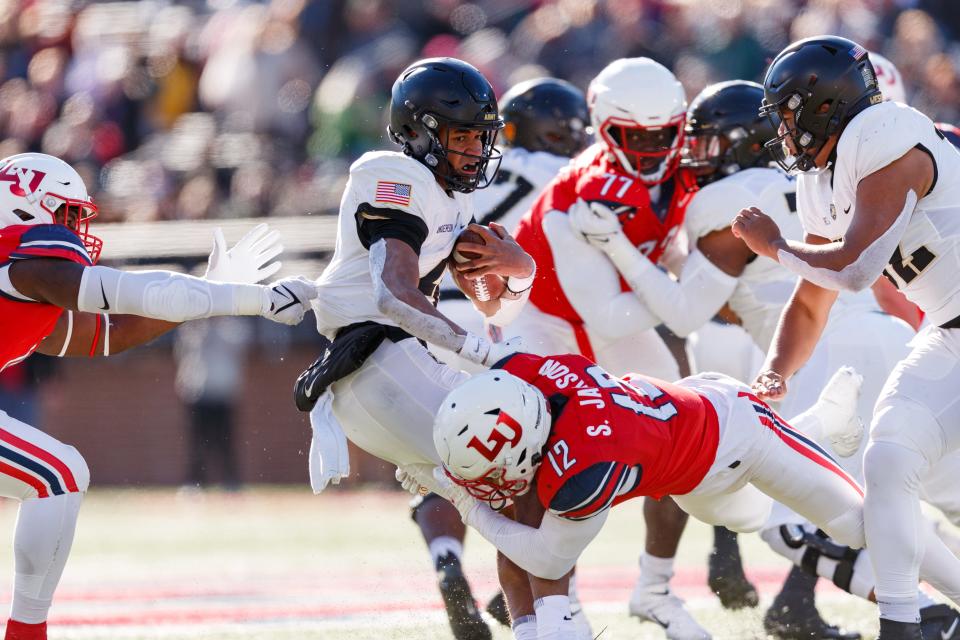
288,299
411,481
249,261
454,493
481,351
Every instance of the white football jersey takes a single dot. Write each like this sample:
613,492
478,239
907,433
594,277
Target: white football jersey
764,287
522,176
386,185
927,260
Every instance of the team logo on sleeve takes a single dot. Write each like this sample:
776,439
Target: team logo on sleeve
393,192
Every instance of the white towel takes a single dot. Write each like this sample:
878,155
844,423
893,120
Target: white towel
329,456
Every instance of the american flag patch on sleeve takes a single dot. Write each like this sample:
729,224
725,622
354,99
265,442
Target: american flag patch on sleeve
393,192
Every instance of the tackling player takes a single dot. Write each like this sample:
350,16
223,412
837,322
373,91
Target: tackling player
876,180
580,441
583,303
400,216
48,265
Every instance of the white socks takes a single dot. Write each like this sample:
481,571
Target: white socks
525,628
655,572
44,534
554,621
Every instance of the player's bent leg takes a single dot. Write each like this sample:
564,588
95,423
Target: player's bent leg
652,598
50,479
745,510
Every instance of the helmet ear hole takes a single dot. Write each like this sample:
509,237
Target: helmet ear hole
23,215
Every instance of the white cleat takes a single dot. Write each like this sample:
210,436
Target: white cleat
580,621
838,403
661,607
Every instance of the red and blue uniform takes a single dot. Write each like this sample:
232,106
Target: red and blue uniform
25,323
614,439
594,177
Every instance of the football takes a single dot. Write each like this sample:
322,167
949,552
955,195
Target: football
484,289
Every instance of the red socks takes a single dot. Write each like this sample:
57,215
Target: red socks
23,631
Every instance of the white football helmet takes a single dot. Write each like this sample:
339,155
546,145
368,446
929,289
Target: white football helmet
41,189
490,433
638,109
888,78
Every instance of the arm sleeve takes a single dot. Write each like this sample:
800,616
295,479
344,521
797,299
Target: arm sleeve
865,268
548,552
165,295
51,241
592,284
687,304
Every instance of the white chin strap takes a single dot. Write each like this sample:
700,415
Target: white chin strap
862,272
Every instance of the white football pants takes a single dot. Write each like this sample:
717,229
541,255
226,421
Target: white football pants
387,406
761,458
916,424
49,479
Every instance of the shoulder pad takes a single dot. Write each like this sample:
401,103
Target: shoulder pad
715,206
590,491
51,241
878,136
385,179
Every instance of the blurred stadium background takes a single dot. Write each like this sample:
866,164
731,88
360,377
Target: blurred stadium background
185,116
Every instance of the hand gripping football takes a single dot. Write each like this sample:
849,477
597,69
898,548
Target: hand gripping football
488,287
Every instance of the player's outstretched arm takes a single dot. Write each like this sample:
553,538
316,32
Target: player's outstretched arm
592,283
798,331
163,295
708,278
548,551
885,201
79,334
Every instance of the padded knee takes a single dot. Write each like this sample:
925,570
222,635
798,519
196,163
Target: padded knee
78,467
892,466
900,421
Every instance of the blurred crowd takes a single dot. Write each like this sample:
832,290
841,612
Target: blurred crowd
227,108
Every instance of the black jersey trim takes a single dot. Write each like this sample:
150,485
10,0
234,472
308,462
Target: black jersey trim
376,223
936,173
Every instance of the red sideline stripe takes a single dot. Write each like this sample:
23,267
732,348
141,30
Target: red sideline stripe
46,456
809,453
23,476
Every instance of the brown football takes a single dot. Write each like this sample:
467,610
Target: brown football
489,287
467,236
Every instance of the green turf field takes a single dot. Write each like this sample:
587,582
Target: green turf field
284,564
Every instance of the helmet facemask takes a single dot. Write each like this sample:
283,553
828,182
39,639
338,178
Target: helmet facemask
76,215
794,149
650,153
445,159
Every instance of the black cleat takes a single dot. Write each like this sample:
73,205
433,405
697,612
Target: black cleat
800,620
893,630
940,622
462,612
497,608
725,577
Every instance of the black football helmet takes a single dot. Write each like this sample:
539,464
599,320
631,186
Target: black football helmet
546,115
816,86
431,98
725,132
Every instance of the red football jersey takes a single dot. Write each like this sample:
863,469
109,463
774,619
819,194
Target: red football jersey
613,439
594,177
25,323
